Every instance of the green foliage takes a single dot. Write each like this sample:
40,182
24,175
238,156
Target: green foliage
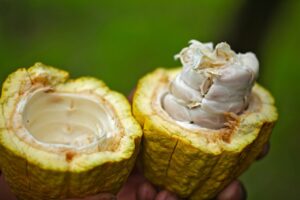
117,41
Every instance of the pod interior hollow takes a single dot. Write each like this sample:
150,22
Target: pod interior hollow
72,120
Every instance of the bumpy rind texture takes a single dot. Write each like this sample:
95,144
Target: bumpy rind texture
197,165
35,174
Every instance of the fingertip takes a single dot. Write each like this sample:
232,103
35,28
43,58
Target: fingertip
166,195
146,192
264,151
234,191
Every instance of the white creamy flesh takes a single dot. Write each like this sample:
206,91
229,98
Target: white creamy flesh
66,120
213,82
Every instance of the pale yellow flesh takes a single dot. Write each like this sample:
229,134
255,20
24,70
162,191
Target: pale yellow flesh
72,120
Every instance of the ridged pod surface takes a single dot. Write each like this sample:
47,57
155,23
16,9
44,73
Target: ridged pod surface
194,162
35,173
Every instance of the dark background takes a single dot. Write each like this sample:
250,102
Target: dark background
120,41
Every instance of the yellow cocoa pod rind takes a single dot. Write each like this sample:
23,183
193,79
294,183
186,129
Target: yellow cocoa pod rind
35,174
197,166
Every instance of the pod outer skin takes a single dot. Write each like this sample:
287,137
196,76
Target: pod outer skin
35,174
187,163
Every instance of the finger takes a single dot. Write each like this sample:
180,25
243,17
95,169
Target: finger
130,96
264,152
166,195
130,188
234,191
146,192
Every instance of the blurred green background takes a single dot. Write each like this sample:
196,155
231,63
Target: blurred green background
120,41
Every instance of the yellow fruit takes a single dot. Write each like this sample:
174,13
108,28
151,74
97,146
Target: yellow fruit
194,162
62,138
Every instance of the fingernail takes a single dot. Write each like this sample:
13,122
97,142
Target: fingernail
146,192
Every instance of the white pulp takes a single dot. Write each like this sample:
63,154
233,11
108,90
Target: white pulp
213,82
